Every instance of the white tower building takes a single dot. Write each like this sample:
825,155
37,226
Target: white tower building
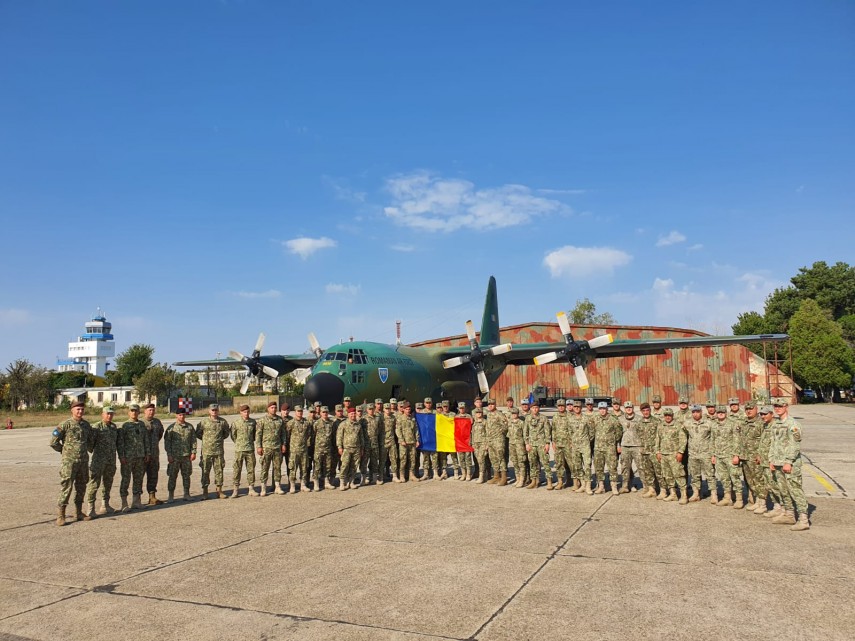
89,353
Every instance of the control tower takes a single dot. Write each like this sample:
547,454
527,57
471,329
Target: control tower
89,353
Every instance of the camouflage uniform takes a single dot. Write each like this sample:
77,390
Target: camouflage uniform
607,436
538,436
336,457
497,431
763,447
350,440
581,433
243,435
671,440
786,447
516,443
407,433
388,445
102,468
751,429
152,468
270,437
179,442
700,455
562,448
73,439
724,438
480,444
630,449
323,429
651,471
464,459
430,460
212,432
133,446
299,432
372,436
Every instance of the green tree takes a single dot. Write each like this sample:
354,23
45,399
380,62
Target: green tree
585,313
832,287
821,357
157,381
17,378
132,363
847,323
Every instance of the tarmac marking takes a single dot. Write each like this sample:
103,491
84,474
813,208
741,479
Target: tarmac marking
823,481
828,486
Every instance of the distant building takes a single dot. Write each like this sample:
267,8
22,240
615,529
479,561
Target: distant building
100,396
89,353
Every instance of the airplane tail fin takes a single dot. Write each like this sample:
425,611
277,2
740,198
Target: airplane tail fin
490,320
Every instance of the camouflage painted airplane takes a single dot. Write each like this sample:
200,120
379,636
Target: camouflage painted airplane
365,370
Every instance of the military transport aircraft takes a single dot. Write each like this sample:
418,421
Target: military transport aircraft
366,370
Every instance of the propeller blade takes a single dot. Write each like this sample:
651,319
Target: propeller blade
500,349
259,343
316,346
482,382
581,377
454,362
272,373
563,323
245,385
543,359
599,341
470,330
236,355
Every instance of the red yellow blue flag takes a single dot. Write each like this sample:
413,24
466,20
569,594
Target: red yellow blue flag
441,433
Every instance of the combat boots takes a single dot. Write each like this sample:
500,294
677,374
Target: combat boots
278,489
494,480
776,510
714,497
577,485
788,517
153,500
220,494
601,487
761,507
672,496
91,514
234,492
560,484
293,489
78,511
263,489
726,501
482,477
104,505
204,492
738,504
520,482
802,524
624,488
60,515
663,494
137,502
696,495
586,487
683,498
503,478
186,496
171,497
533,483
125,507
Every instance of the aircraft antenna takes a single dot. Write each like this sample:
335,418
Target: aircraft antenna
397,332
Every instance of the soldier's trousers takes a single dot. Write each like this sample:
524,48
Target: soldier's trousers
372,459
429,462
241,459
673,473
464,462
497,456
628,456
212,461
133,468
755,478
537,458
518,457
480,456
770,484
790,487
580,463
562,460
271,458
726,473
605,460
648,470
299,459
702,466
100,476
323,463
407,460
389,453
152,468
183,465
348,465
73,474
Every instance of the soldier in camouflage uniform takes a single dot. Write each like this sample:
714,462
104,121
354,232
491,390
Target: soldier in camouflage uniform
607,438
350,444
651,470
73,439
699,430
442,457
152,467
323,430
785,463
725,452
372,446
389,446
430,460
671,441
212,431
408,443
538,436
299,433
750,430
497,432
270,446
561,446
464,459
338,419
179,441
656,408
516,443
133,447
243,435
735,412
102,468
630,446
581,434
285,415
769,419
480,443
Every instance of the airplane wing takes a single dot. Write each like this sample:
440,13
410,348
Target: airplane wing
282,363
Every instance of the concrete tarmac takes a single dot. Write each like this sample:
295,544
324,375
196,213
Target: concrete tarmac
434,560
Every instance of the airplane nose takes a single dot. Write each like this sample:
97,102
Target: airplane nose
324,388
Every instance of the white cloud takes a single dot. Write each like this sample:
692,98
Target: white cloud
270,293
338,288
305,247
403,248
583,261
343,192
13,317
695,247
431,203
672,238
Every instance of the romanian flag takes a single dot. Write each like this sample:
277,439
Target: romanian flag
441,433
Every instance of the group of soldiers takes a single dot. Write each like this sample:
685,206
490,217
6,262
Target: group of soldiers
746,450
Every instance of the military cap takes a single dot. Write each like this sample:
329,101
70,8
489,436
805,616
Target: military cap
387,406
668,412
560,401
133,407
491,401
683,399
781,402
589,401
316,404
351,410
445,403
750,405
148,405
524,401
615,401
338,407
77,404
515,410
461,404
273,403
420,406
213,406
628,404
324,408
710,403
602,405
361,408
535,403
181,410
766,409
733,401
243,407
393,401
644,406
428,399
696,408
347,398
657,399
577,403
298,408
108,409
721,408
479,410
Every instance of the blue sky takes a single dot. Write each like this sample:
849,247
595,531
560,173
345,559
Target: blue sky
207,170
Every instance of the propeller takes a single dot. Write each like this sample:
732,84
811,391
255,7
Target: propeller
575,352
316,346
252,363
476,357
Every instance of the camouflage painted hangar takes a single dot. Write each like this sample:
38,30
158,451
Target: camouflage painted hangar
702,374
